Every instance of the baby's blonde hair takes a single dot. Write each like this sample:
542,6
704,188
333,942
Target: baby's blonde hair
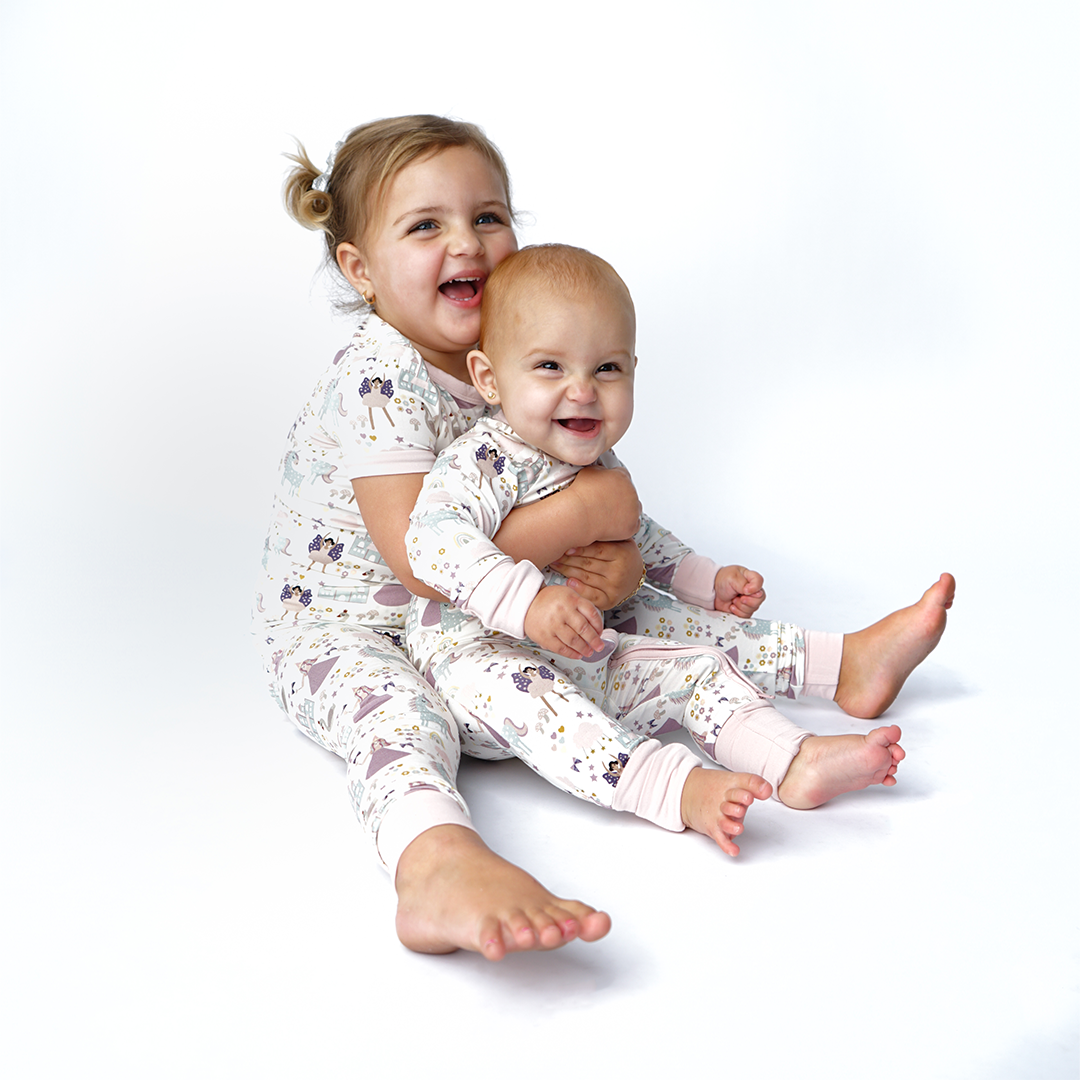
566,271
366,162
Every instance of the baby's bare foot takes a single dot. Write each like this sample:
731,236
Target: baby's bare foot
829,765
455,893
876,661
714,803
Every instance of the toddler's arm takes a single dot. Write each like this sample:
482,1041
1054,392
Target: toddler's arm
385,503
600,505
538,533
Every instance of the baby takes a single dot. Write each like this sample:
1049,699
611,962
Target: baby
522,660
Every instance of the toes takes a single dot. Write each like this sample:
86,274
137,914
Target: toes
595,925
492,945
759,787
727,845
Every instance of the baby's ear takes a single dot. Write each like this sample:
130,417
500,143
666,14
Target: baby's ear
483,375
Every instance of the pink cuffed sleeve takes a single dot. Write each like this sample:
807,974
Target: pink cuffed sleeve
502,597
695,581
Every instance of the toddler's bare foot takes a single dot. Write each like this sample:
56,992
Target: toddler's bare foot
829,765
714,803
877,660
454,893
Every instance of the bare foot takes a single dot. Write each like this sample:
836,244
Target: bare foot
454,893
877,660
714,803
829,765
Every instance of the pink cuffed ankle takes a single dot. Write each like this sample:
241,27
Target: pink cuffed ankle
651,784
758,739
412,815
824,653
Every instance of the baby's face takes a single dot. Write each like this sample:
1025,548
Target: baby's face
563,373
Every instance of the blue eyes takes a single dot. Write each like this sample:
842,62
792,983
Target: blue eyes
488,218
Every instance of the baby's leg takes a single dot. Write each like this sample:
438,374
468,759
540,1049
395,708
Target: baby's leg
355,693
578,747
512,699
667,784
732,722
773,655
877,661
831,765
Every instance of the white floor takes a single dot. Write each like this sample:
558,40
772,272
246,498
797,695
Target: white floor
857,370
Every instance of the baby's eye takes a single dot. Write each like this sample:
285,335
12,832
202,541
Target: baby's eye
609,366
490,218
423,226
547,365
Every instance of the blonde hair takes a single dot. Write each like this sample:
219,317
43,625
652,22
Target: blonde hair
571,272
366,162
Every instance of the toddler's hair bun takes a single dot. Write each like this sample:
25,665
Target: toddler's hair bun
306,206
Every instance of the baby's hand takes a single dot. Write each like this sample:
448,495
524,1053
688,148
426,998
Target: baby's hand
738,591
562,622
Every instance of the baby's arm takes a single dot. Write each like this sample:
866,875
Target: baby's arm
563,622
738,591
695,579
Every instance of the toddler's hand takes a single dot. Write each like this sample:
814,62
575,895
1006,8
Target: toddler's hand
738,591
562,622
605,573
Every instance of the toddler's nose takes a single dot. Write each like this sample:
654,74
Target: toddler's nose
465,241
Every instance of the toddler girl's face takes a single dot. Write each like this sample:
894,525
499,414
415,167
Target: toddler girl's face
563,374
443,227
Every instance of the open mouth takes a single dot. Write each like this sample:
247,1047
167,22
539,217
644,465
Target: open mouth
581,425
461,288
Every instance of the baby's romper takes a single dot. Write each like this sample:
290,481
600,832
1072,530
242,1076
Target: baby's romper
329,614
580,724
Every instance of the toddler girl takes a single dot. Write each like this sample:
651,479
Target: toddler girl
416,213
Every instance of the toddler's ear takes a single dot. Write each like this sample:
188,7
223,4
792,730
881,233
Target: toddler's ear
354,268
483,375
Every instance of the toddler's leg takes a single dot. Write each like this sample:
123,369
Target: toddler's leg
354,692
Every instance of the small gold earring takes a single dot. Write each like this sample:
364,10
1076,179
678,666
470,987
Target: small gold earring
491,394
369,300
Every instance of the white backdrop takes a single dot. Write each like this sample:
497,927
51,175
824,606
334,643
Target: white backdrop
851,233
